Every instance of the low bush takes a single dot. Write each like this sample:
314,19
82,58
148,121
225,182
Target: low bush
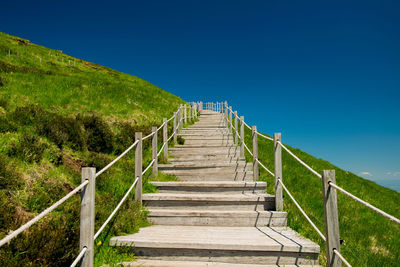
29,148
9,176
99,134
6,125
180,140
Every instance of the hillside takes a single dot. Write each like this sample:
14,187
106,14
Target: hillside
57,114
368,238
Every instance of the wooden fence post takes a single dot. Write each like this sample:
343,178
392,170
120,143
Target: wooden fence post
175,130
165,138
185,115
236,127
278,172
138,167
190,112
230,119
255,153
87,216
226,113
180,119
154,150
242,136
331,218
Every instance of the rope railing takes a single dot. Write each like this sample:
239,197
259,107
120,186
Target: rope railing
79,257
148,166
117,158
161,149
341,257
302,211
248,150
299,160
265,168
115,210
148,136
366,204
266,137
15,233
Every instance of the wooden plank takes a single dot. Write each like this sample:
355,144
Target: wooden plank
154,150
87,216
331,218
278,172
242,136
165,138
255,153
138,167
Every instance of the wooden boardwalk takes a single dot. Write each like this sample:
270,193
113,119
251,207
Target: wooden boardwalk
215,215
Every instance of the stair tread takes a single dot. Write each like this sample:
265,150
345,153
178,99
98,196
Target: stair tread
279,239
167,263
207,197
212,184
220,213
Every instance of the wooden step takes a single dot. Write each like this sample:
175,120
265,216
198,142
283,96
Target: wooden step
246,245
216,187
209,201
167,263
217,217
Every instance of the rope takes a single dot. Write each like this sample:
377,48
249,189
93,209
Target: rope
247,148
161,149
341,257
246,125
173,116
115,210
299,160
147,136
41,215
265,168
162,125
80,255
148,167
390,217
266,137
115,160
302,211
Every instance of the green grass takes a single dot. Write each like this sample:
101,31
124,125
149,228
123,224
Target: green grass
72,115
368,238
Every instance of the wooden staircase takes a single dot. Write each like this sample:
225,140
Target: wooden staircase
215,215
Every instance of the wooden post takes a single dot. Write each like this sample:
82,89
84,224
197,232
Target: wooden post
331,218
185,115
165,138
174,130
180,119
278,172
154,150
230,119
226,113
242,136
255,153
236,127
190,112
138,167
87,216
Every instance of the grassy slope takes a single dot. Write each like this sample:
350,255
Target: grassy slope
67,86
369,238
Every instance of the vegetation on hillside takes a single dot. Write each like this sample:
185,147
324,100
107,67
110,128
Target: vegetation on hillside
57,114
368,238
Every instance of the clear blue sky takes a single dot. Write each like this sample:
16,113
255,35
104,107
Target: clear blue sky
326,75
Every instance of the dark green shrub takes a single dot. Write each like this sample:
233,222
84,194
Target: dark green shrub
3,102
29,148
26,115
180,140
10,178
61,130
6,125
125,137
99,134
98,160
